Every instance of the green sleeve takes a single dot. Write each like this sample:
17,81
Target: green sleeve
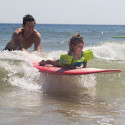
65,60
88,54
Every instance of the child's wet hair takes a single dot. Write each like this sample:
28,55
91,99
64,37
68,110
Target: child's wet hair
75,39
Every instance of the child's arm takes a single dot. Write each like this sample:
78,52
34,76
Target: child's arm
84,64
54,63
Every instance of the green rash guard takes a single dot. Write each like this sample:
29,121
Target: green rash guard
69,60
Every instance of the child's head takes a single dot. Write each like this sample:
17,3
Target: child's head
76,42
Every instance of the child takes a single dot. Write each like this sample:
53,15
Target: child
75,57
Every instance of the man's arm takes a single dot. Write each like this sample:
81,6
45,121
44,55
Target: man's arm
17,41
37,43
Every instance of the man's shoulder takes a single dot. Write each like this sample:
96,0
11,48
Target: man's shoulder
18,31
17,34
36,34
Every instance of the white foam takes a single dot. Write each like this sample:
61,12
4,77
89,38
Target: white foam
63,82
55,55
21,72
22,75
22,55
109,51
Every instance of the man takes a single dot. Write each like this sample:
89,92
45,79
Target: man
23,38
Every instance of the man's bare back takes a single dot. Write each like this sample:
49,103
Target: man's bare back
23,38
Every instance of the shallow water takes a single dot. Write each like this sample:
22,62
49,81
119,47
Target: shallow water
32,98
29,97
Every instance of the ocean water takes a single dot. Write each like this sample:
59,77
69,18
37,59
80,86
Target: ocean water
29,97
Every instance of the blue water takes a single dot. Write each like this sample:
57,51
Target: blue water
29,97
55,37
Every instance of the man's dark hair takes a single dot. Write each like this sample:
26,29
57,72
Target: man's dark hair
28,18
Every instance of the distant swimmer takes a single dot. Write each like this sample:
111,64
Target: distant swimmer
23,38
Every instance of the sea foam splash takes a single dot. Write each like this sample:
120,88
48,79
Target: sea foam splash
109,51
67,82
19,69
21,73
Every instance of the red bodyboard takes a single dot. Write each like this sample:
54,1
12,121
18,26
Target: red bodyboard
79,71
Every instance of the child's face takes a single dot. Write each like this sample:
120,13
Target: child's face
78,47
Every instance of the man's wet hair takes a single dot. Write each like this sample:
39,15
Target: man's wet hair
28,18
